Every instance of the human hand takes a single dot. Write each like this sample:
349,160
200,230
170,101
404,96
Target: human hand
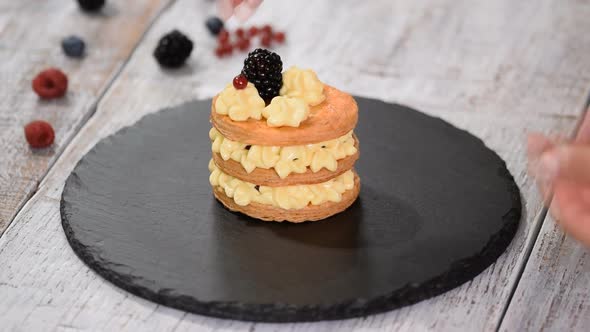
242,9
563,168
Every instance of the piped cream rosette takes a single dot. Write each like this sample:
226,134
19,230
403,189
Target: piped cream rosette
296,162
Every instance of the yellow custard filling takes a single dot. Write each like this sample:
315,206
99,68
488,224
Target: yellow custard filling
284,159
240,105
289,197
285,111
304,84
301,89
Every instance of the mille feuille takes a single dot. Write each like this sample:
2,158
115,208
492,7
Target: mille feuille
283,143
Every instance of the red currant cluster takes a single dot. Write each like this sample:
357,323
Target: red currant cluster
242,39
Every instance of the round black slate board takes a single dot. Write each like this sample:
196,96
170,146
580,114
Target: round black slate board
436,208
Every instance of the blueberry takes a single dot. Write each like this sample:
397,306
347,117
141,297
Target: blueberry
73,46
214,24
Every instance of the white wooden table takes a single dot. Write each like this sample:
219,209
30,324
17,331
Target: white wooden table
498,69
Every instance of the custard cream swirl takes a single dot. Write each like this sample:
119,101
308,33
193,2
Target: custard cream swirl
240,105
285,159
301,89
304,84
288,197
285,111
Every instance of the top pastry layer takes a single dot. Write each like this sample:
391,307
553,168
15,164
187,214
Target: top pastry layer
334,117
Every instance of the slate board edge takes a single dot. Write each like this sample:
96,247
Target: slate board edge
460,272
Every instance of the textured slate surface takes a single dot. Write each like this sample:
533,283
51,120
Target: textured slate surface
436,208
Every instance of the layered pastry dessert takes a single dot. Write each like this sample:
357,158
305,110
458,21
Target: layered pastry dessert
283,143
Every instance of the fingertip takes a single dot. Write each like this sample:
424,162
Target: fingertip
537,143
575,221
246,9
583,135
549,165
253,3
535,136
545,189
243,12
225,9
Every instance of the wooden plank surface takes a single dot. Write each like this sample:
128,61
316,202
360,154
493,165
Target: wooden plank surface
30,37
553,294
495,68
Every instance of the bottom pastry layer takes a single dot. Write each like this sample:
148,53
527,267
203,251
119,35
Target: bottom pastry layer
309,213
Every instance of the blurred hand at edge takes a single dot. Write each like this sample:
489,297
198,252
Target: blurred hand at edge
241,9
563,168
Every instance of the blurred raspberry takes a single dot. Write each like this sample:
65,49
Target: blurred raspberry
50,83
39,134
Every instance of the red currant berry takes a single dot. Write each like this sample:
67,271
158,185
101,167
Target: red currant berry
223,36
39,134
243,44
227,49
240,82
253,31
266,41
224,43
240,32
279,37
219,51
267,30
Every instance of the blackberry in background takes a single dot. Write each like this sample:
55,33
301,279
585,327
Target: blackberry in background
173,49
91,5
